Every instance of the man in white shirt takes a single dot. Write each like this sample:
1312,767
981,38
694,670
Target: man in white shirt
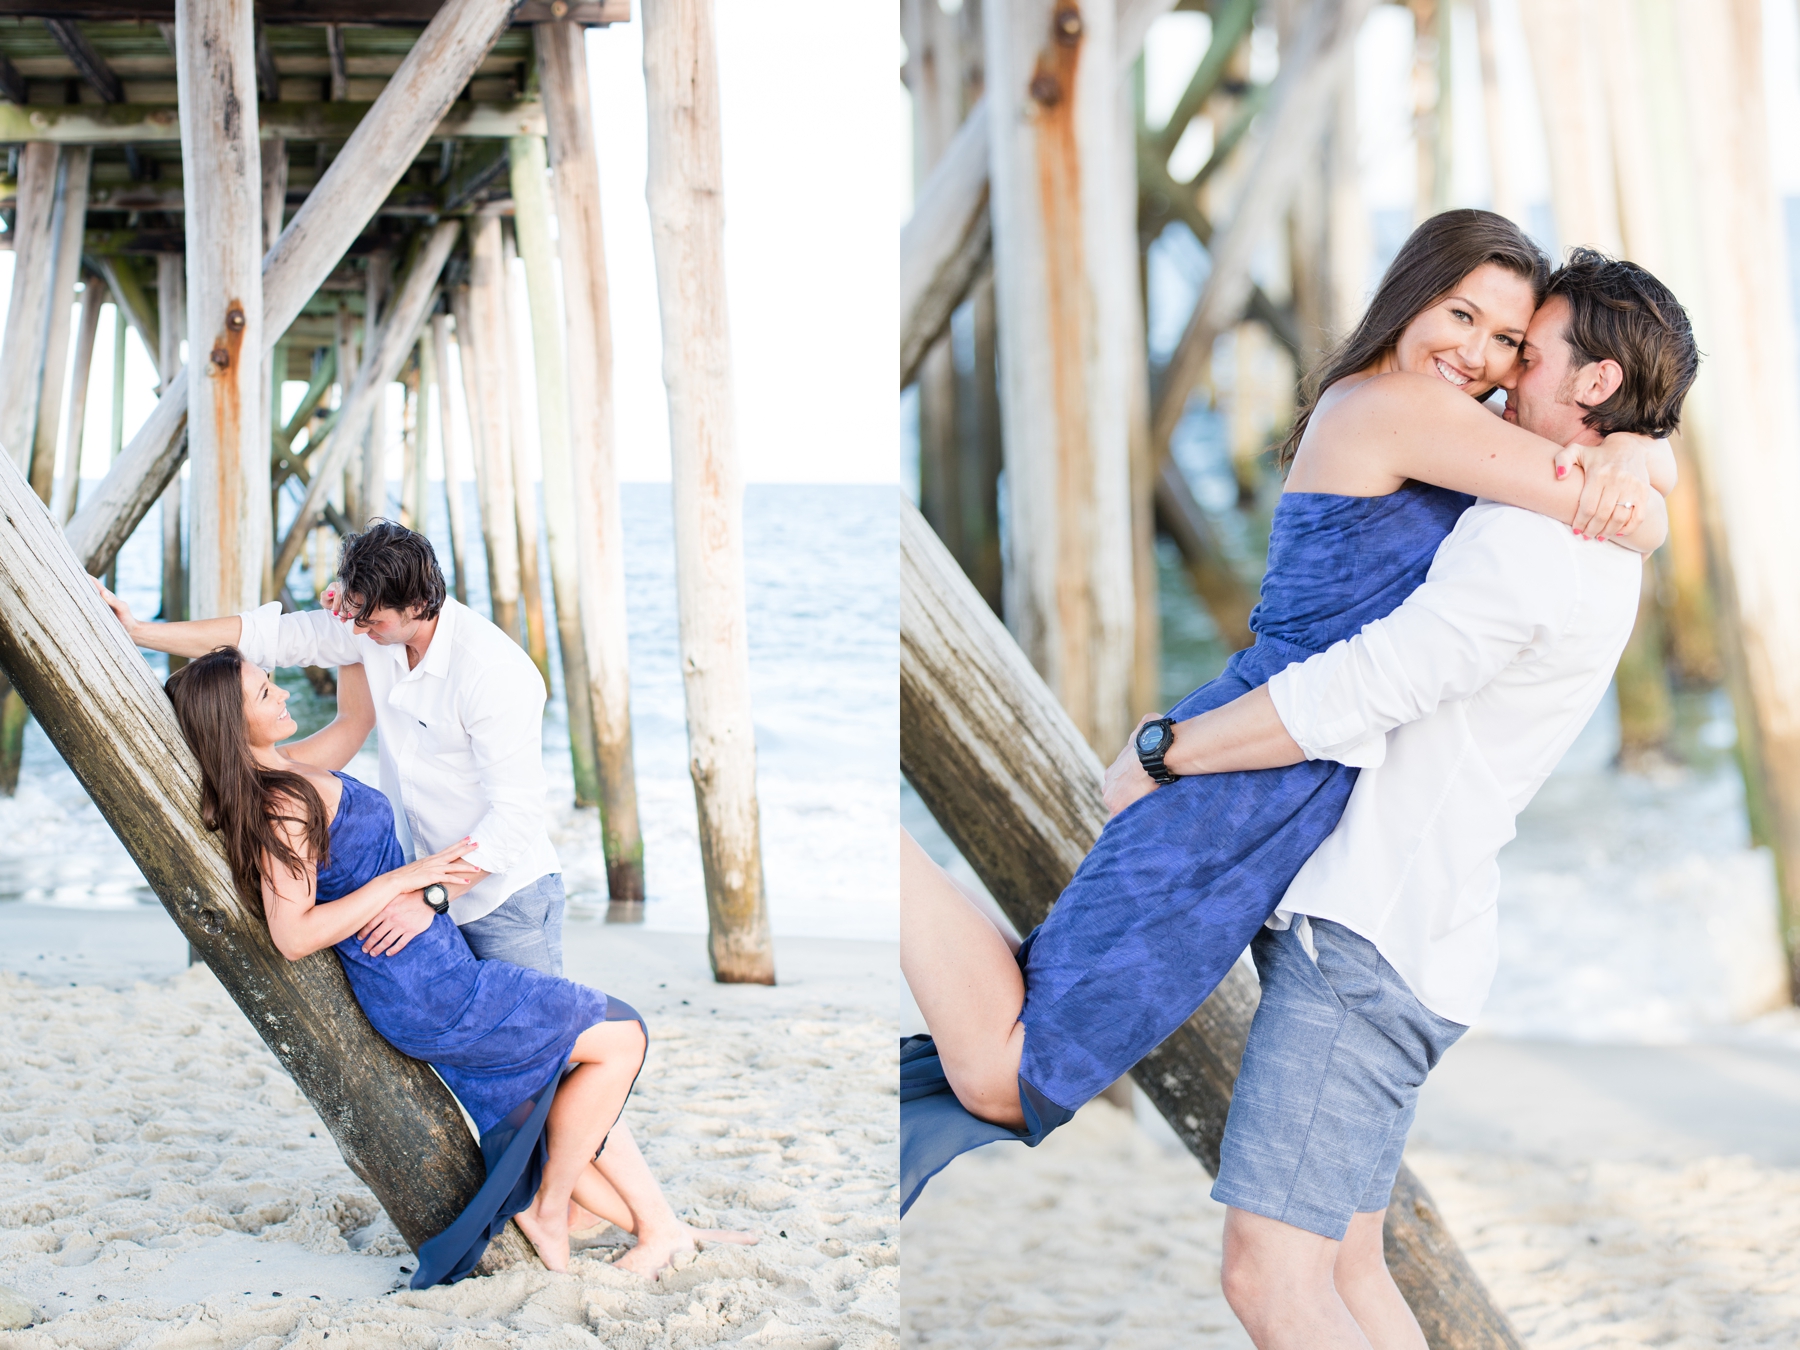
459,713
1455,707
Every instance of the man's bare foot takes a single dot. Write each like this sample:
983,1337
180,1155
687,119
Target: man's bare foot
549,1233
657,1252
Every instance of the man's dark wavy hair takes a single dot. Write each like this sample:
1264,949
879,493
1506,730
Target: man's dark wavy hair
388,566
1619,312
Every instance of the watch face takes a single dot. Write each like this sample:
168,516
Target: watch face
1150,739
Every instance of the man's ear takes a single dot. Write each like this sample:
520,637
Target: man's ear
1600,381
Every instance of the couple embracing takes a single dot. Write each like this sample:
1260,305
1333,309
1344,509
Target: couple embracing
1448,591
456,956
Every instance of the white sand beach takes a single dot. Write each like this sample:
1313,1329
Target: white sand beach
1608,1197
162,1182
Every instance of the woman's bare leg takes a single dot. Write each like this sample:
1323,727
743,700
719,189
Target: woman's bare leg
597,1202
587,1105
661,1236
966,983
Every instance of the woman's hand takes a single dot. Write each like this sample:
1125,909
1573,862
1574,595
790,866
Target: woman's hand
446,867
1126,780
120,609
1616,479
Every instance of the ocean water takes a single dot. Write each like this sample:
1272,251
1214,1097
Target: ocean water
822,579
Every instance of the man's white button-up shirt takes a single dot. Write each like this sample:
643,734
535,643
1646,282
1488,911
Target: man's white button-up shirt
1455,707
460,734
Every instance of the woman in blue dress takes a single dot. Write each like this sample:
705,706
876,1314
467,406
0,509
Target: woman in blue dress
542,1065
1394,445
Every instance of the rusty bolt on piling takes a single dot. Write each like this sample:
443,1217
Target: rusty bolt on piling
1046,89
220,357
1068,26
234,318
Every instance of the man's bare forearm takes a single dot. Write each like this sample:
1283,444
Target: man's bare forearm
1243,734
191,637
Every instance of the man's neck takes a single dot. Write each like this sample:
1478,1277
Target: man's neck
421,641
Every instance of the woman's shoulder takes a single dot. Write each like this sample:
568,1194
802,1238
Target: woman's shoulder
1394,391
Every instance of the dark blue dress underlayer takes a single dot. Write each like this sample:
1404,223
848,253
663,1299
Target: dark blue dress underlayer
1179,882
499,1035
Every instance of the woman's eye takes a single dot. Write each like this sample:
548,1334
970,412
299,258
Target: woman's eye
1462,314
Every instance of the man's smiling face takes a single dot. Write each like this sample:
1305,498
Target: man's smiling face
1542,397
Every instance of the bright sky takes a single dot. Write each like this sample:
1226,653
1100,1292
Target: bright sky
810,263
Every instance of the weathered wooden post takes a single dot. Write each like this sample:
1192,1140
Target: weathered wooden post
1568,53
67,223
933,75
476,307
456,456
409,447
117,444
379,282
228,447
348,362
68,488
1739,421
1063,294
171,304
1012,781
531,219
22,368
396,1125
516,329
686,191
274,366
599,529
28,310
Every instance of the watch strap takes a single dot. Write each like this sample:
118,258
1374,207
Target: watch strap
1152,760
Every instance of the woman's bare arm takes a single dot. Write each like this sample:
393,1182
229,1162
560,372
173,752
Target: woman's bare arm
300,926
1400,426
335,744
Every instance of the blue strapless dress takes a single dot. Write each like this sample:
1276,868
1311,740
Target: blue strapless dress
499,1035
1179,882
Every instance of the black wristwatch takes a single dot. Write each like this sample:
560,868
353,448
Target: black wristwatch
438,897
1153,741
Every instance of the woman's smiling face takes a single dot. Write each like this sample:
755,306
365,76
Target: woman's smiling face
266,716
1471,338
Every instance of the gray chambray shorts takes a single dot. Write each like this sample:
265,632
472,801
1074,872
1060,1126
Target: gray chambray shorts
526,929
1331,1075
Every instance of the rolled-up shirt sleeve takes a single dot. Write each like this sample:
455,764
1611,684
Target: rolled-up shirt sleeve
1499,584
504,717
311,637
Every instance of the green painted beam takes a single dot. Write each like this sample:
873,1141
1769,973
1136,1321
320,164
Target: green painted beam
112,124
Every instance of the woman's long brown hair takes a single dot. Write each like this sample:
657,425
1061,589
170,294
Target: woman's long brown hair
1431,264
240,798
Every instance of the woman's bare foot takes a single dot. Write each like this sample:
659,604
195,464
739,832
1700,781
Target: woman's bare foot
549,1233
657,1252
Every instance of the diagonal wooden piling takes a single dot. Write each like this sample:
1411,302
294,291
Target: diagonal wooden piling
393,1120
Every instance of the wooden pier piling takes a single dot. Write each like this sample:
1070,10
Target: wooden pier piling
593,469
686,192
222,189
456,454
